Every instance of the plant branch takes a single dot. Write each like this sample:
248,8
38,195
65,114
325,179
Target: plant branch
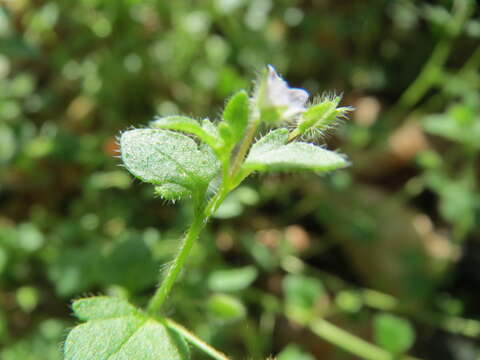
349,342
189,240
429,73
245,146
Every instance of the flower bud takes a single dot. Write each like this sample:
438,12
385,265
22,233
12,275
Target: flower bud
322,115
275,100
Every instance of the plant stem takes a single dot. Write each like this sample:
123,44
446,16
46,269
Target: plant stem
242,151
192,235
347,341
194,340
293,135
351,343
433,67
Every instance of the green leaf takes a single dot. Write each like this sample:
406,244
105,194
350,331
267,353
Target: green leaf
293,352
302,294
205,132
454,126
115,330
232,279
101,307
236,116
164,157
226,307
75,270
393,333
129,263
271,154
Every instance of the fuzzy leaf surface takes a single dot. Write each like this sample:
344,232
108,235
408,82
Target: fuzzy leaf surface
115,330
188,125
162,157
271,153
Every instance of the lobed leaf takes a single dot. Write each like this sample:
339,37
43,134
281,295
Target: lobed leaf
271,153
164,157
118,331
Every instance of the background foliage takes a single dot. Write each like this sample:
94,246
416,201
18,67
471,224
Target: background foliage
388,249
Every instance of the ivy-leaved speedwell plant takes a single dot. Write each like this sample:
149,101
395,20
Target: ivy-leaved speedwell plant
202,161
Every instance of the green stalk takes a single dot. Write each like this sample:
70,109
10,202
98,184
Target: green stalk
293,135
351,343
189,240
347,341
433,67
197,342
245,146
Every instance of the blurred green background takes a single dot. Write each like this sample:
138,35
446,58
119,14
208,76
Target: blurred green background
388,250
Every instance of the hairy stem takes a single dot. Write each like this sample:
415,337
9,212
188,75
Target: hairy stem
197,342
247,141
293,135
189,240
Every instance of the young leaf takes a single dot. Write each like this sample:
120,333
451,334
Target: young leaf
164,157
293,352
460,129
302,294
393,333
236,115
204,132
270,154
115,330
226,307
232,279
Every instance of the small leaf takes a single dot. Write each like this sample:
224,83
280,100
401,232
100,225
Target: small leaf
226,307
393,333
455,126
188,125
102,307
165,157
129,264
232,279
293,352
302,296
236,115
270,154
117,331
